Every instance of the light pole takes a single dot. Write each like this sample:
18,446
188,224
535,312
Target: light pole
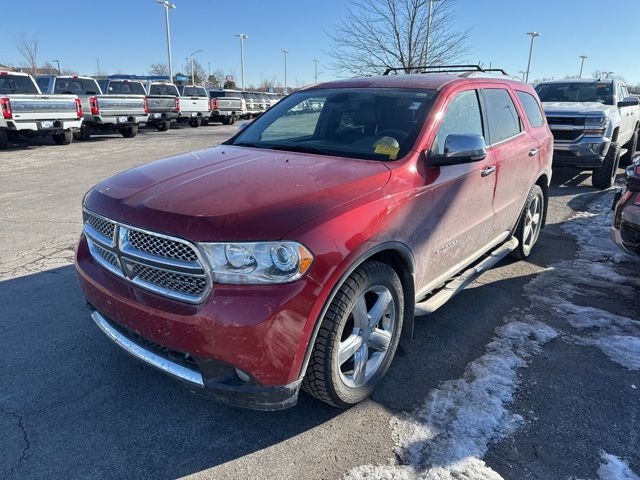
583,58
98,64
533,37
428,38
523,73
316,61
193,70
166,5
242,38
58,63
286,52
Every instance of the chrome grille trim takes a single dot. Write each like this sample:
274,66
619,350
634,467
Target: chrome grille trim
151,266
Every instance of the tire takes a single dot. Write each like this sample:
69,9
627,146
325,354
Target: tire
83,134
195,122
4,138
205,122
632,148
335,380
129,132
225,121
163,126
605,176
530,224
63,138
232,120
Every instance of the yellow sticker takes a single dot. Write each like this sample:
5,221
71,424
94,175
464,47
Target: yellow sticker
392,152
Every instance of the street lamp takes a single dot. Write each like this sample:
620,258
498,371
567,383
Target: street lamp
98,64
316,61
533,37
583,58
58,63
286,52
166,5
523,74
193,71
242,38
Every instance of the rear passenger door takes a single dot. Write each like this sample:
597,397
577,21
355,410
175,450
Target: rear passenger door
513,151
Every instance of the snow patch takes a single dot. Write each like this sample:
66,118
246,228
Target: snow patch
622,349
614,468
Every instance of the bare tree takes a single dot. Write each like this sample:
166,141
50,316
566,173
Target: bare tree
200,73
28,49
159,69
379,34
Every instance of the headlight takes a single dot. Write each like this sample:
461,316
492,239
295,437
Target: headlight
597,125
257,263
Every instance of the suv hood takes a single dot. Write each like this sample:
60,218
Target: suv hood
233,193
578,108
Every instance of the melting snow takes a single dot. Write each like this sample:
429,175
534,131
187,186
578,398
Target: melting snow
614,468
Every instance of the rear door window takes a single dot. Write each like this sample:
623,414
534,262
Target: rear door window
125,88
163,89
463,117
16,84
502,116
531,109
77,86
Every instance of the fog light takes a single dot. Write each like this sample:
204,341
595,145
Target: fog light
242,375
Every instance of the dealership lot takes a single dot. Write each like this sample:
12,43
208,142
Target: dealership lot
74,406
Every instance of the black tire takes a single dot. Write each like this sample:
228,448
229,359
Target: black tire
195,122
604,177
163,126
632,148
325,378
225,121
129,132
528,230
83,134
63,138
232,120
4,138
205,122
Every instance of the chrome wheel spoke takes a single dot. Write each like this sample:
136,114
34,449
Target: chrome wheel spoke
380,340
360,360
348,348
380,307
360,316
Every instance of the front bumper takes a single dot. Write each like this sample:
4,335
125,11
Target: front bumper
626,234
588,152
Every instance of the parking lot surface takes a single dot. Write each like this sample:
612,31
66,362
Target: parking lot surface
532,372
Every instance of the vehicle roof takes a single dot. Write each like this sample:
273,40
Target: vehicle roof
22,74
579,80
434,81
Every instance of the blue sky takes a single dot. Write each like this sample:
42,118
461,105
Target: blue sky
128,35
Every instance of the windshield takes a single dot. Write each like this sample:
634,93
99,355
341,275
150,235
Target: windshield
77,86
194,92
163,89
125,88
17,84
576,92
367,123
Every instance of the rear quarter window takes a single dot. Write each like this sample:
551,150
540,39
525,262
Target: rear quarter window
531,109
502,115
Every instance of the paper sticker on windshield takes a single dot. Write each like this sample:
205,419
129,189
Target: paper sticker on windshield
415,106
391,152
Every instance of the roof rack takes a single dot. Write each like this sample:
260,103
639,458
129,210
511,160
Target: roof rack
469,69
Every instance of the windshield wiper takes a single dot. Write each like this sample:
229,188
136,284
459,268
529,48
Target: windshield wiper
301,149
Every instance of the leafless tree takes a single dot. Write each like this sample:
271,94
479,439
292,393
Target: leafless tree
159,69
200,73
28,49
379,34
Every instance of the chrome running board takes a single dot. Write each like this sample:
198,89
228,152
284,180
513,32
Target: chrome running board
147,356
460,282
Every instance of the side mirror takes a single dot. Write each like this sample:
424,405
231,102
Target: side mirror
459,149
629,102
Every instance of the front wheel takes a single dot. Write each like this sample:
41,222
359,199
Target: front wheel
225,121
605,176
195,122
358,336
63,138
129,132
528,229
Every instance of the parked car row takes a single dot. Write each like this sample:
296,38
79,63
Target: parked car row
74,107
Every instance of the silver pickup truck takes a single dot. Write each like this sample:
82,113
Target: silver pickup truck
226,106
102,113
164,104
25,111
595,125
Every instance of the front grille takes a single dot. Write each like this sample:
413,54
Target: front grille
165,265
161,247
576,121
184,283
630,235
566,135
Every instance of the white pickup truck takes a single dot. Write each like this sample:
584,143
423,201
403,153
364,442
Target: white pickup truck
25,111
195,107
102,113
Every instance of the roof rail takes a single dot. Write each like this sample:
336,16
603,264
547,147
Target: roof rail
445,69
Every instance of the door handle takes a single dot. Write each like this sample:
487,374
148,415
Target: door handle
533,152
488,171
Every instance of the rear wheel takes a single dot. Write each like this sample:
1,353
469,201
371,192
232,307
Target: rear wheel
232,120
195,122
129,132
4,138
83,134
205,122
632,147
63,138
605,176
225,121
528,230
163,126
358,336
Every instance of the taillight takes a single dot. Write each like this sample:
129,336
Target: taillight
214,104
146,105
95,109
176,107
78,108
5,105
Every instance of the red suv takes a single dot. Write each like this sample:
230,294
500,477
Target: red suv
298,252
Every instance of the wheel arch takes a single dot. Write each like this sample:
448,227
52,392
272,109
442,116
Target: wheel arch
543,182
